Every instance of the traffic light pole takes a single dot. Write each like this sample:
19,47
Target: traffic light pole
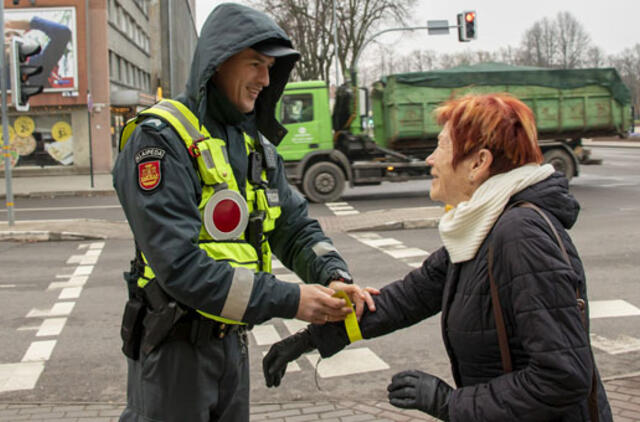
5,123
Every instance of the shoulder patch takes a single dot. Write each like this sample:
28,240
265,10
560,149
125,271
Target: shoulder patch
149,175
149,154
149,163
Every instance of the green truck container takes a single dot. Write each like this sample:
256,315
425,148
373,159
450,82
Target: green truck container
323,151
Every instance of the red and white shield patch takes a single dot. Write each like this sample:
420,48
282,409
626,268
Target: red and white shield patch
149,175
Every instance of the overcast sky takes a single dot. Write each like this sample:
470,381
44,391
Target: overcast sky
612,24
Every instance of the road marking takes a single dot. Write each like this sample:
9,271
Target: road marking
20,376
392,247
347,362
378,243
341,208
265,335
7,286
51,327
25,375
622,344
58,309
82,259
70,293
74,281
611,309
405,252
294,325
39,351
83,270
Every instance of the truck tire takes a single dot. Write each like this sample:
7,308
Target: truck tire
561,161
323,182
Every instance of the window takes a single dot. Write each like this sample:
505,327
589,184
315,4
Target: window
296,108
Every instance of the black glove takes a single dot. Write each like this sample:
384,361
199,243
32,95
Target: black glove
281,353
418,390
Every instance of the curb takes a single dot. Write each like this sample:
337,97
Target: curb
422,223
60,194
45,236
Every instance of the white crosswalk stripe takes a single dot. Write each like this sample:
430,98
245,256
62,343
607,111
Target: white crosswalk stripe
341,208
413,257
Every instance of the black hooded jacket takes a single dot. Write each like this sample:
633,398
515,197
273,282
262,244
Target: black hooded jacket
549,346
166,222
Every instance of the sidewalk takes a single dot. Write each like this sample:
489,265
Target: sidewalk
623,393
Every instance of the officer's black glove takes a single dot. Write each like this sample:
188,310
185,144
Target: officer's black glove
418,390
281,353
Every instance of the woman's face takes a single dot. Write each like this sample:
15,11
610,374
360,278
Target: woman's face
449,185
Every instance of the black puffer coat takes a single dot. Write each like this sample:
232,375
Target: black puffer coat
549,346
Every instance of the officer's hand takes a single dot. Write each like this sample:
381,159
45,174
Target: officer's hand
357,295
281,353
418,390
318,306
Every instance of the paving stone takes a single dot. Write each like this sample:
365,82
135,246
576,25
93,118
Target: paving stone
319,409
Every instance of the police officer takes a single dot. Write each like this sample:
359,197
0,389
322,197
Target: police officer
207,200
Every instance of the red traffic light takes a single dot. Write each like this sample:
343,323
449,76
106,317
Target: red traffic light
469,16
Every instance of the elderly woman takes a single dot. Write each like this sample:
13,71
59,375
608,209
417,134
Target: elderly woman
486,164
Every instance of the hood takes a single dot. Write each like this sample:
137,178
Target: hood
552,194
229,29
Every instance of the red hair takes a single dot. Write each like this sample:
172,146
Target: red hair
498,122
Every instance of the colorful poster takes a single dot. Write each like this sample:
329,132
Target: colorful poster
54,29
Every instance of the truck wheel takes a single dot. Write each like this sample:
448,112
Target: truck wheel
323,182
561,161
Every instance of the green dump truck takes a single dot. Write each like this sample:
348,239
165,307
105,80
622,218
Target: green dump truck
385,133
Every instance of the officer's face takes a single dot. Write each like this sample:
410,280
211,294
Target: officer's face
242,77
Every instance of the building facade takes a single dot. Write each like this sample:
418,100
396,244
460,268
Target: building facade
103,61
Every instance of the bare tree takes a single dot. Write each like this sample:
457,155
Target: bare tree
628,65
573,41
561,42
539,46
595,57
310,25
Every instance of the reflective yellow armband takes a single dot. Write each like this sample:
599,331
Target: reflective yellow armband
351,322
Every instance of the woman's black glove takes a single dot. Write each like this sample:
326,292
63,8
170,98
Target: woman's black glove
281,353
418,390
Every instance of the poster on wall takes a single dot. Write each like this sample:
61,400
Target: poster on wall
40,141
54,29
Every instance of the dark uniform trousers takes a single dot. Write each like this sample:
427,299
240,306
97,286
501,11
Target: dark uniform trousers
182,381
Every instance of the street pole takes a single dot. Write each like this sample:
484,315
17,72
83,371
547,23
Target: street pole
335,43
5,123
89,98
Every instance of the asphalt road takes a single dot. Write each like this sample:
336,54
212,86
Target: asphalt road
81,344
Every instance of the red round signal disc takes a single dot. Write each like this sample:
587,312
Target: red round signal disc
226,215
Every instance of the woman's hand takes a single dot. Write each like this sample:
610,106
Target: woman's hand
422,391
275,362
357,295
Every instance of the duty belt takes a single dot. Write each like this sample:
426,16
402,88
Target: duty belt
202,330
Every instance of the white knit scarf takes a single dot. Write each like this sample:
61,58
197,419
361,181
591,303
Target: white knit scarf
464,228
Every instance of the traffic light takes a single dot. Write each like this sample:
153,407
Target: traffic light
21,71
467,26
